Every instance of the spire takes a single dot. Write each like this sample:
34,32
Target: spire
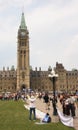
23,24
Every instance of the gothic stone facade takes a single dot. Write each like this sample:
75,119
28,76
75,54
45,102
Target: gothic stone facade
8,80
39,80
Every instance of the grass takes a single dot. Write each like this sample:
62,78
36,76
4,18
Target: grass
13,116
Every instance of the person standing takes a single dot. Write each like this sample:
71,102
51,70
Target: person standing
72,105
46,101
32,106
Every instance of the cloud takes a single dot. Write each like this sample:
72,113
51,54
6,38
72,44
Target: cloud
53,31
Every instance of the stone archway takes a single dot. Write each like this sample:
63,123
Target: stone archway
23,88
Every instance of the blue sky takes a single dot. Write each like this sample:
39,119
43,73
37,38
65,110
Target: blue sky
53,32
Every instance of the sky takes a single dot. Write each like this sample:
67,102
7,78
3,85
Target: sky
53,32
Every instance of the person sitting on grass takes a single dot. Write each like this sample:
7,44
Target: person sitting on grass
47,118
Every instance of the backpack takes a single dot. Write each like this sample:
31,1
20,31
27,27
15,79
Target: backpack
49,119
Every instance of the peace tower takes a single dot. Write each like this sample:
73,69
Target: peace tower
23,69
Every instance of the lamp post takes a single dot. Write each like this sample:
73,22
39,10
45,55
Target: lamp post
52,76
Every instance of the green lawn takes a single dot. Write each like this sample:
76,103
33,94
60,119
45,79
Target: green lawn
13,116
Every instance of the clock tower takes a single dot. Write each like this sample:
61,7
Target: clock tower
23,68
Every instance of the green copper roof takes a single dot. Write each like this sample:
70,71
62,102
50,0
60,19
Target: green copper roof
23,24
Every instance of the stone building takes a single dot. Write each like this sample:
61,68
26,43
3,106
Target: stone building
24,77
67,80
39,80
8,80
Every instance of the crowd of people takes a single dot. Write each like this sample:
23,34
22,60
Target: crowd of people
12,96
69,102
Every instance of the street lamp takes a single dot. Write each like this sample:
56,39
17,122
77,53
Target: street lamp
52,76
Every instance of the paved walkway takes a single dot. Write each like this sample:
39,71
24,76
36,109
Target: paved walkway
41,106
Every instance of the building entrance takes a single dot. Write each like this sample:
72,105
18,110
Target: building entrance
23,88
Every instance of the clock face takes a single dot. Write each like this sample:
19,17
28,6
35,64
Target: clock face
22,33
